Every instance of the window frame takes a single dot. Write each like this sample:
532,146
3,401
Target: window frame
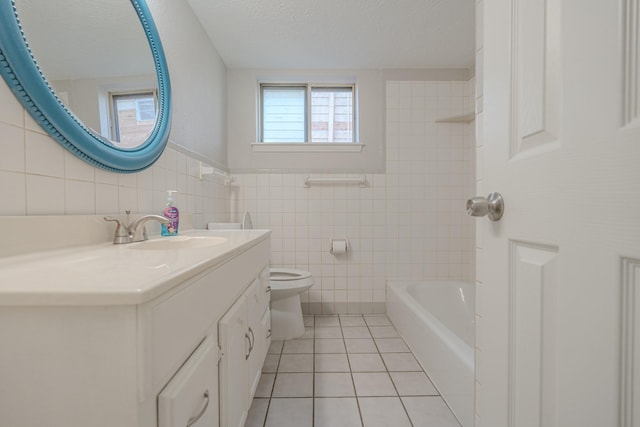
113,111
308,113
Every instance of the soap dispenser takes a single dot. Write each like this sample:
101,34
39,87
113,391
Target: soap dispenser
171,213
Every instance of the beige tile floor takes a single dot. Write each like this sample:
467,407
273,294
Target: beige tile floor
346,371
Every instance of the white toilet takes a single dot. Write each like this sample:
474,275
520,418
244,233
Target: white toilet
286,287
286,311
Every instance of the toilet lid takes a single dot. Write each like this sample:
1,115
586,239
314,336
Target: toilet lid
283,274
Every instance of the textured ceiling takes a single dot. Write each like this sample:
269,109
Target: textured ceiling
340,33
74,39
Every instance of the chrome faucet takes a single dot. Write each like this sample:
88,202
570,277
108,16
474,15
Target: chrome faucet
136,231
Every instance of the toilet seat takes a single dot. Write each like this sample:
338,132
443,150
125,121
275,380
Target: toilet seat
286,274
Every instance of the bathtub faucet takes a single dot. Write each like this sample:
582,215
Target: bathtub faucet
136,231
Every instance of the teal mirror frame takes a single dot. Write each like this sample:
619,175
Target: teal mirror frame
28,83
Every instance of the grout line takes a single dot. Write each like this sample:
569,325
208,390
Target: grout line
313,375
353,383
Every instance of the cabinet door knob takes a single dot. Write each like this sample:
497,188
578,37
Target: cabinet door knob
205,405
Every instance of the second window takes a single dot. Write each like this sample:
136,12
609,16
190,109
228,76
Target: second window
299,113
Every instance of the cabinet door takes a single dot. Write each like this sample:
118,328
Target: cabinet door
191,397
234,382
255,303
265,327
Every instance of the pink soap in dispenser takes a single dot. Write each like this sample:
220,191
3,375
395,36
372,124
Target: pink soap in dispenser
171,213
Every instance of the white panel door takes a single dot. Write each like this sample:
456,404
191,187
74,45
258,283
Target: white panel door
556,324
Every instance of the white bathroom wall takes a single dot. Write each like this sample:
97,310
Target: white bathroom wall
39,177
408,223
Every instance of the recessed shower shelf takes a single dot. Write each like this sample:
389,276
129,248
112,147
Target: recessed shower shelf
463,118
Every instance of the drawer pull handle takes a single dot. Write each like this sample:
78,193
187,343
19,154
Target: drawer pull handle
195,418
269,335
253,339
268,289
246,335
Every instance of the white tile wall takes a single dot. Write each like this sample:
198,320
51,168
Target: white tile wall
39,177
408,223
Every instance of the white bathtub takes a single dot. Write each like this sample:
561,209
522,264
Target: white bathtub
436,319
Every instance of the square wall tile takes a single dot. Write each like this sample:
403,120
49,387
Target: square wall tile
45,195
12,147
13,188
44,156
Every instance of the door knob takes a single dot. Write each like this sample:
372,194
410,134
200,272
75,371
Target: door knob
492,206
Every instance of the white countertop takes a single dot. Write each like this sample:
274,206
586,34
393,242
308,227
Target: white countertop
108,274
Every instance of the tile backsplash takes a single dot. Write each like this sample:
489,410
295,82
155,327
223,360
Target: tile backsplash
39,177
407,223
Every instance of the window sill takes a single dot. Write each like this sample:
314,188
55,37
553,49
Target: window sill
271,147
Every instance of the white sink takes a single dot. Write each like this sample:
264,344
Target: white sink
178,242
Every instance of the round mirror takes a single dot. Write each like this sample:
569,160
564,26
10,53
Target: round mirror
92,74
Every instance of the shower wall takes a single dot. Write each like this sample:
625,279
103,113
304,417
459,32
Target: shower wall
407,223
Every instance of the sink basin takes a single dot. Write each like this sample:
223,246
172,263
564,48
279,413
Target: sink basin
179,242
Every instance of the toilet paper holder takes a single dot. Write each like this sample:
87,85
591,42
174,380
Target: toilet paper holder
339,246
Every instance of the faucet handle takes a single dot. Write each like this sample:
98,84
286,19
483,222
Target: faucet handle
122,234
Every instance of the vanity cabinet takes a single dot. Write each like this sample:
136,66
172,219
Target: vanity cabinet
244,341
155,363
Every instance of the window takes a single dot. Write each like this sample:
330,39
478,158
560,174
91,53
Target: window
133,117
307,113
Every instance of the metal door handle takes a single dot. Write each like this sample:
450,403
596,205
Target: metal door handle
492,206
